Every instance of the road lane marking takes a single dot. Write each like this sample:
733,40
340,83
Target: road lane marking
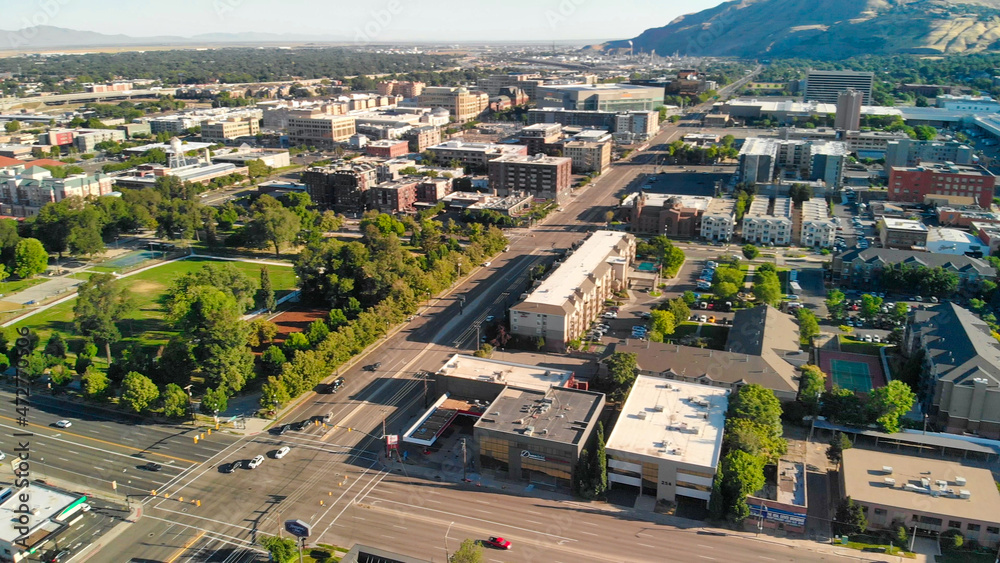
647,545
707,557
186,546
705,546
100,441
398,526
767,558
587,533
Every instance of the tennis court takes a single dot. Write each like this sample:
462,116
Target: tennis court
132,258
851,375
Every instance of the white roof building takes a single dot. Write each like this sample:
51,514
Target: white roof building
941,240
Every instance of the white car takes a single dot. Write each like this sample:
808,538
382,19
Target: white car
85,507
703,319
610,315
282,452
486,264
255,462
64,424
868,338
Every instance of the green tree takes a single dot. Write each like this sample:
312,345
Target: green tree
839,443
900,311
317,332
836,304
297,341
753,438
175,401
272,359
138,391
890,403
846,329
871,305
85,234
849,518
663,322
767,287
808,326
758,403
470,551
740,474
12,126
725,290
214,400
750,251
265,295
812,384
689,298
56,346
95,383
600,465
272,224
622,371
274,393
30,258
282,550
100,303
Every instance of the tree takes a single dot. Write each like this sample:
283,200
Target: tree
469,552
273,225
600,465
812,383
839,443
767,287
900,311
663,322
888,404
836,304
175,401
725,290
100,303
317,332
740,474
622,370
138,391
750,251
753,438
846,329
871,305
689,298
800,193
214,400
678,307
265,295
282,550
808,326
849,519
272,359
758,403
12,126
30,258
297,341
85,234
95,383
953,539
56,346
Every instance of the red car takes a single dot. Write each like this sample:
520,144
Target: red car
498,543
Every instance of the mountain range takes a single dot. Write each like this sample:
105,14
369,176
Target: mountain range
51,37
827,29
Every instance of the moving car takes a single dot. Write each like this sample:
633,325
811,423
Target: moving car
64,424
490,318
229,467
282,452
498,543
85,507
255,462
152,466
58,556
486,264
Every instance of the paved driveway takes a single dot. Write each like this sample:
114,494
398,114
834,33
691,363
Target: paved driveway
43,291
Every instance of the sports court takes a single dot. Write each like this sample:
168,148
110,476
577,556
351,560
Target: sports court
857,372
132,258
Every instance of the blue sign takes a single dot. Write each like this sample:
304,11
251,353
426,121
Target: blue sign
298,528
796,519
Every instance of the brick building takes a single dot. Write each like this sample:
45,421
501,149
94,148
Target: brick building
387,148
342,188
912,184
395,197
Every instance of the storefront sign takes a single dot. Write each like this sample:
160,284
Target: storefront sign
529,455
782,516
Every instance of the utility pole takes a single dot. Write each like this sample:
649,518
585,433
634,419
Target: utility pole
464,462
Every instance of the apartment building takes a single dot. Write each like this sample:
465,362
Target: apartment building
395,197
387,148
474,155
827,162
86,140
404,88
343,187
761,158
561,308
961,361
768,222
276,113
861,269
718,222
24,191
903,234
825,85
817,229
544,177
324,131
913,184
757,160
848,116
229,129
464,105
907,152
421,138
541,138
588,156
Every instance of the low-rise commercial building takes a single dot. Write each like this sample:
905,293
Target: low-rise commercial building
989,234
965,217
474,155
932,495
782,504
423,137
49,514
323,131
768,221
903,234
86,140
913,184
511,205
588,157
941,240
668,438
229,129
544,177
817,229
198,172
626,126
386,148
861,269
563,305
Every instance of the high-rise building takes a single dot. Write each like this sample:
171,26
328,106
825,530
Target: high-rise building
544,177
848,110
343,188
825,85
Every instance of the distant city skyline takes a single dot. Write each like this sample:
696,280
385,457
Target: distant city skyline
379,21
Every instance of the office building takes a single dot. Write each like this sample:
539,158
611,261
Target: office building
903,234
193,170
668,439
600,97
627,126
396,197
86,140
463,104
544,177
768,222
404,88
50,514
495,83
861,269
931,495
817,229
961,363
825,85
588,157
904,153
324,131
176,124
24,191
387,148
913,184
474,155
275,158
848,116
229,129
561,308
420,138
967,103
342,187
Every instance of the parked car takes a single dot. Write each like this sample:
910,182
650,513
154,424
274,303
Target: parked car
867,338
702,319
711,320
282,452
490,318
255,462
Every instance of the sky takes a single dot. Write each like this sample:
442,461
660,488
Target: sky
376,20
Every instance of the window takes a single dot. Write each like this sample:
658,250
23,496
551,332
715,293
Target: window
972,527
992,530
954,524
879,512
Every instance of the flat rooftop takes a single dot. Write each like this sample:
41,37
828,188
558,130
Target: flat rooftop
533,159
946,168
672,420
515,375
165,147
557,414
687,201
562,283
50,503
904,225
864,481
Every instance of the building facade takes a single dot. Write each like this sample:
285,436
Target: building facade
861,269
464,105
903,153
24,191
768,222
913,184
396,197
342,188
848,116
817,229
588,157
324,131
229,129
718,223
544,177
386,148
825,85
474,155
600,97
903,234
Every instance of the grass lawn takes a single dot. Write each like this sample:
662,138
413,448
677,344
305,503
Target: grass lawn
322,553
850,345
896,551
147,320
10,287
715,334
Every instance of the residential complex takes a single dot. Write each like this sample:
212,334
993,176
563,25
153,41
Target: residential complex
668,439
913,184
600,97
903,153
563,305
343,187
761,158
817,229
323,131
861,268
768,221
406,89
718,222
903,234
544,177
464,105
825,85
474,155
23,191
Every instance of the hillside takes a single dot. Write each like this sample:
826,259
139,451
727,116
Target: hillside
50,37
828,29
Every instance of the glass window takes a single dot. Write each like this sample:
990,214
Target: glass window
954,524
972,527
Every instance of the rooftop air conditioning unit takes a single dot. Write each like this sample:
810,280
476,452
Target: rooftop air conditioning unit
925,481
887,469
960,481
658,408
964,493
890,482
642,415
